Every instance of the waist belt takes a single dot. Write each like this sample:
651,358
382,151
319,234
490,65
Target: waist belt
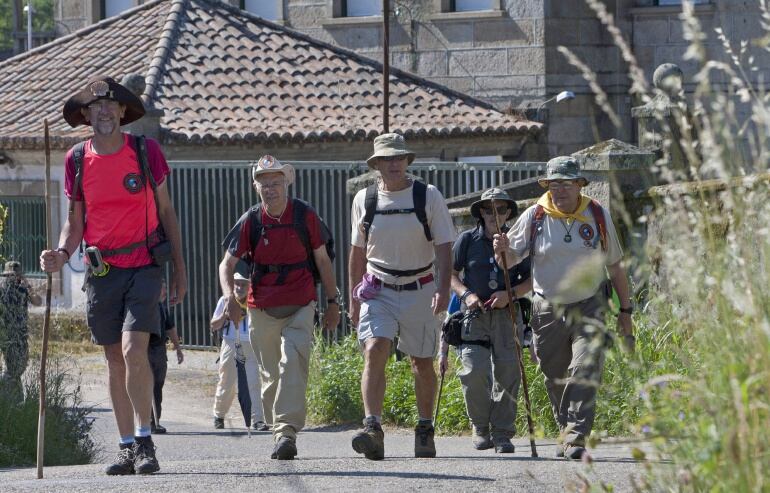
478,342
402,273
153,237
259,270
412,286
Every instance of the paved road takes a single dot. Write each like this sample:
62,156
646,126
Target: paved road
195,457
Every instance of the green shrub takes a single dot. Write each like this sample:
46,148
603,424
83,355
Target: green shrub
67,426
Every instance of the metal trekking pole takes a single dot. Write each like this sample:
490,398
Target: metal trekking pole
512,311
47,319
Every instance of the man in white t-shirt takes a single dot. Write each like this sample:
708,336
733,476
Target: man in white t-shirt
572,245
235,344
402,234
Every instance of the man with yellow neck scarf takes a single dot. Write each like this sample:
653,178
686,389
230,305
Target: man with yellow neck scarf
573,245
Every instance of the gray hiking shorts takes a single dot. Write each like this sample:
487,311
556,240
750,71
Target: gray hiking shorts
122,301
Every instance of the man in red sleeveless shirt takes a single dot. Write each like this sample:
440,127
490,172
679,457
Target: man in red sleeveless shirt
124,222
282,298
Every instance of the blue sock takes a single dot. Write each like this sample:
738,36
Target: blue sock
142,431
127,440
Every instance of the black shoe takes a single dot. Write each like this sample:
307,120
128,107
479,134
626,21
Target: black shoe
574,452
158,430
144,456
481,439
124,461
370,441
219,423
261,426
503,445
285,449
424,445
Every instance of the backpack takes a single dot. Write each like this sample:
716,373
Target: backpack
300,208
539,217
419,197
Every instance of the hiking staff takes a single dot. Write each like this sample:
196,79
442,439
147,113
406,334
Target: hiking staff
519,352
438,400
47,318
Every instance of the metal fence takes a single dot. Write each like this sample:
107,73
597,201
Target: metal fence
24,232
210,197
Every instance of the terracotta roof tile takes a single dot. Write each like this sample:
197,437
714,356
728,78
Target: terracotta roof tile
223,75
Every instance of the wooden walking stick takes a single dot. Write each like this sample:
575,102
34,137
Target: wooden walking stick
47,319
512,311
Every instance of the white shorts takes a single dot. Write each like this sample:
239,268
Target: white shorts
406,314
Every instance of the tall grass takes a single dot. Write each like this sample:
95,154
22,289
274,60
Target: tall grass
708,410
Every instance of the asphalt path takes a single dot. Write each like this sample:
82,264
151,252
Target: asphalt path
195,457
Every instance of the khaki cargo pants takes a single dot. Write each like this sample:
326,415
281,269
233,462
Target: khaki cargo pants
569,345
282,347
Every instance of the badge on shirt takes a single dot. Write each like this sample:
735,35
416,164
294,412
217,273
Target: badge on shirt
132,182
586,232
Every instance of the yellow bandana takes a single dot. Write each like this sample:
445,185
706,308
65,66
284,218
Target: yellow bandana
547,203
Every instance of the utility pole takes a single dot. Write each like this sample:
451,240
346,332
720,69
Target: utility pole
385,65
29,24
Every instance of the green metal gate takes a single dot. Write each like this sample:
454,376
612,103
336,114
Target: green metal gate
24,232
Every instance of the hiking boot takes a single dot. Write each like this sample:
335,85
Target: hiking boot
219,423
123,463
285,449
503,445
144,456
481,439
370,441
157,429
261,426
424,445
574,452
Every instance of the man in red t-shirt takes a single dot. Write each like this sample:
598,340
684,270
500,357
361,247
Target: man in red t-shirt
282,298
124,222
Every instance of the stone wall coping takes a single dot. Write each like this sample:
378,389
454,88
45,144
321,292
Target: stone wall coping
467,16
717,185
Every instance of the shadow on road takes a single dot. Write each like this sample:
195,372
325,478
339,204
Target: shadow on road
402,475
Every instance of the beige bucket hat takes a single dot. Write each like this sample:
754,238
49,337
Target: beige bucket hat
387,145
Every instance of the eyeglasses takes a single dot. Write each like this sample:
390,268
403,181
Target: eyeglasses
391,158
561,184
272,184
108,104
489,211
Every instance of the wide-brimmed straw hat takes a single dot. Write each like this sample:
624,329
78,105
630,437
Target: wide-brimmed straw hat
387,145
102,87
12,268
269,164
562,168
494,194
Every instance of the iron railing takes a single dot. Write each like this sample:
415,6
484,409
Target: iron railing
210,196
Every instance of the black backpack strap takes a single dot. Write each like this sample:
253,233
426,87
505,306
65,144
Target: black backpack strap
419,196
370,208
300,209
78,153
255,228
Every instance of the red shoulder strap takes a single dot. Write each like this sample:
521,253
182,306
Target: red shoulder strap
535,227
601,225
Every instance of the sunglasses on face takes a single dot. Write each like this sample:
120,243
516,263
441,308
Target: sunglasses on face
560,184
489,211
390,158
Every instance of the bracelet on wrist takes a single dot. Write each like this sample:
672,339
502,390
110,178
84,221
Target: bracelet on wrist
467,293
64,250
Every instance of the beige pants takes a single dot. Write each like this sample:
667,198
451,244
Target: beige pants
283,346
228,380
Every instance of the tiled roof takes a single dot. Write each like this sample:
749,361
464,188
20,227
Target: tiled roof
223,75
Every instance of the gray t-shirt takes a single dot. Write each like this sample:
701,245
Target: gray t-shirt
473,257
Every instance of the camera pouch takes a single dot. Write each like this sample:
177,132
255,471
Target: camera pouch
451,331
161,252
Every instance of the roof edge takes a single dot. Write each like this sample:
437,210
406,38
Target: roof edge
360,58
80,32
168,37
